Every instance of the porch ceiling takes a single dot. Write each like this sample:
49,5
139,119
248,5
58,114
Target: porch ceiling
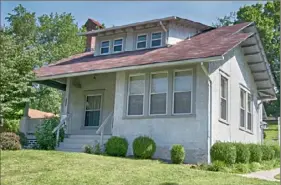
52,83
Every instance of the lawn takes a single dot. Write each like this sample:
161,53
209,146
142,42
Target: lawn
271,133
277,177
52,167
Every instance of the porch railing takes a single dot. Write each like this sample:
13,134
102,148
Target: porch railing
60,125
108,120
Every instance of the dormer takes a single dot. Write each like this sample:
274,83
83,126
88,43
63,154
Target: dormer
144,35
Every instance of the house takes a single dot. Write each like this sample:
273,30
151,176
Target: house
172,79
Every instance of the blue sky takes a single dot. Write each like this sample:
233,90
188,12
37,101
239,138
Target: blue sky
119,13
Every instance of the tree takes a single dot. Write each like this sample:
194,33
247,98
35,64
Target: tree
267,19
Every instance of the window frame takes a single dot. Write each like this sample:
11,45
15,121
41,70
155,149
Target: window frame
247,93
161,39
128,94
118,45
150,93
85,109
251,112
146,41
226,76
173,92
109,42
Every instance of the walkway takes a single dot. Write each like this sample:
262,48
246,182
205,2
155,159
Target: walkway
266,175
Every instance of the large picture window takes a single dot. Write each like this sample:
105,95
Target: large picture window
136,89
223,98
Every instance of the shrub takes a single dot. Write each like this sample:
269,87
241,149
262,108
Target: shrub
241,168
23,139
217,166
9,141
97,149
242,153
144,147
46,140
267,152
116,146
11,125
256,153
88,149
276,149
177,154
254,166
225,152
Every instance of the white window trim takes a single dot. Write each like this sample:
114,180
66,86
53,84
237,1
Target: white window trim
156,39
150,93
173,104
246,110
225,75
118,45
251,112
85,109
141,34
105,47
128,94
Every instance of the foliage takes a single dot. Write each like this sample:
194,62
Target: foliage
9,141
268,152
276,149
23,139
254,166
256,153
177,154
225,152
46,140
241,168
144,147
242,153
11,125
97,149
88,149
116,146
217,166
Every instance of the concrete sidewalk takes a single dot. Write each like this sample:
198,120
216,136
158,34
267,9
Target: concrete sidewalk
265,175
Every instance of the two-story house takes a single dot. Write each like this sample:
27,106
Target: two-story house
172,79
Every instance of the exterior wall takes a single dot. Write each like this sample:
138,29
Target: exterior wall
178,33
102,84
239,73
190,130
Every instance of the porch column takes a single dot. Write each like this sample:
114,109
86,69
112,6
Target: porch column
65,105
24,120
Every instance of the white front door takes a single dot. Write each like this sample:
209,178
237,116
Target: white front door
93,110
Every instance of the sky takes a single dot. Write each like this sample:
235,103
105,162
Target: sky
124,12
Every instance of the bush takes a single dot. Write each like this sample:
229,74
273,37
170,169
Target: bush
88,149
254,166
11,125
241,168
217,166
116,146
177,154
267,152
256,153
23,139
242,153
97,149
144,147
276,149
9,141
225,152
46,140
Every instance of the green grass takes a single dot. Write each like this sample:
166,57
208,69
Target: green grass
271,133
277,177
51,167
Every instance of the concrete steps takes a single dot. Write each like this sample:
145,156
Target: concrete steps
75,143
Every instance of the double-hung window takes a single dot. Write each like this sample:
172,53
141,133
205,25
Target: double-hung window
182,92
249,112
141,41
105,47
156,39
136,89
246,110
242,108
158,93
118,45
223,98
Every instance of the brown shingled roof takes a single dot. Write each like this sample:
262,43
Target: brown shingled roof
216,42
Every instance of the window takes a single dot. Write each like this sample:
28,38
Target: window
141,41
242,108
118,45
182,92
249,112
93,110
156,39
136,94
104,47
224,98
158,93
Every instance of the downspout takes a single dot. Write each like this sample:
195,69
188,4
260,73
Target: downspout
166,32
209,128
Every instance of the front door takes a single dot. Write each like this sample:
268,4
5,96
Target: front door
93,110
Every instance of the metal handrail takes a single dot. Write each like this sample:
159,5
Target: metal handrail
57,128
101,128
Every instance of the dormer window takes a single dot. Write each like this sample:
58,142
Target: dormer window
141,41
118,45
156,39
104,47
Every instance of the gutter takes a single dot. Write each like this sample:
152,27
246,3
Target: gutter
209,128
135,67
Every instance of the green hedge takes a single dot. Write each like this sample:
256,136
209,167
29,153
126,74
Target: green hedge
116,146
177,154
242,153
256,153
276,149
267,152
144,147
225,152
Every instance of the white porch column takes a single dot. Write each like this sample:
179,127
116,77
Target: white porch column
65,105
